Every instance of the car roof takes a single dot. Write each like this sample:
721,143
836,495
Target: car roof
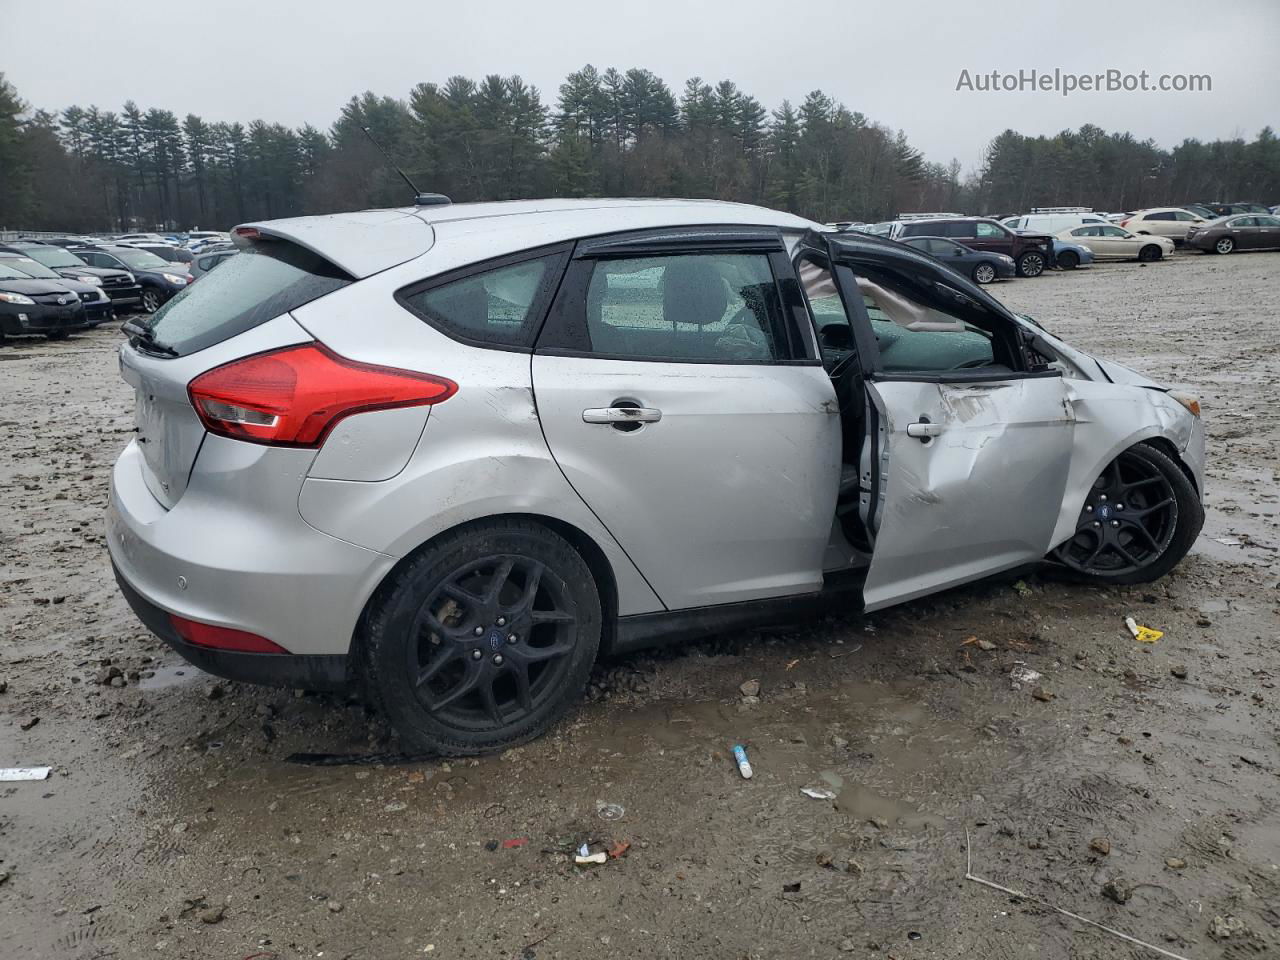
369,241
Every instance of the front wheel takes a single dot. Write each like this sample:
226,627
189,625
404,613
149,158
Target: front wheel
1150,253
1139,519
151,300
1225,245
1031,264
483,640
1068,260
984,273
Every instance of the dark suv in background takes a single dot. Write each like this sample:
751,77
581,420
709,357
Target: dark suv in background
1032,252
159,278
118,283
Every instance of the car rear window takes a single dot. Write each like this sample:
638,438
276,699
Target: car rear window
262,282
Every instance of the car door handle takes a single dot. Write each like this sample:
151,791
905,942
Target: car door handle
621,415
924,430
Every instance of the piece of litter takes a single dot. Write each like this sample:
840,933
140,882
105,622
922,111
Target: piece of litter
1228,541
514,842
1142,634
1021,674
610,811
619,849
792,663
24,773
590,858
819,793
744,765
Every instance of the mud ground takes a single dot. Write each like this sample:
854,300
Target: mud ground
175,825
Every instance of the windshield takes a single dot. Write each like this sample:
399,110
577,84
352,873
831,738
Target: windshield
140,259
55,257
31,268
257,285
8,273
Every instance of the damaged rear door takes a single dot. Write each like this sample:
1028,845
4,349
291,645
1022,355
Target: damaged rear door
972,446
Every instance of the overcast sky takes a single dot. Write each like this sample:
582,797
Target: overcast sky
899,63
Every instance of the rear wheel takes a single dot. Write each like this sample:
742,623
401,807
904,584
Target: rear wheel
1225,245
1031,264
1139,519
484,639
1150,252
984,273
1068,259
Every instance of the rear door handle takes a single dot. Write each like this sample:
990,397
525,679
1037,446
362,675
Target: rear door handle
924,430
621,415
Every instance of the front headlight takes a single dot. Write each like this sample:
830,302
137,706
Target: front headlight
176,280
1086,248
1006,259
16,298
1188,400
96,281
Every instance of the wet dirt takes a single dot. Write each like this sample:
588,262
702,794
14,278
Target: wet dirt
175,825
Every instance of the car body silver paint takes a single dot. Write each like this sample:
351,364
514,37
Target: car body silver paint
981,496
370,446
246,558
169,431
728,497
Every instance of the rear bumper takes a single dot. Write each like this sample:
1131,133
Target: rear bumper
234,552
308,672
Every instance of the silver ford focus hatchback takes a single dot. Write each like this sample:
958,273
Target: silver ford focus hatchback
453,453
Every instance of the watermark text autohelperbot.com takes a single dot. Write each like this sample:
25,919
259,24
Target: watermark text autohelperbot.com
1065,83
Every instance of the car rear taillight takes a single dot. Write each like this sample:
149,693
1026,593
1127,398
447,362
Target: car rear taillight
294,396
222,638
1125,221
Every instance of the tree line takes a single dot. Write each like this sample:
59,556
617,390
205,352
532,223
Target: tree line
609,133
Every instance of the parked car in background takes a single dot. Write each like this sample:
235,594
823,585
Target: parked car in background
1229,234
312,502
1201,211
981,266
1053,223
120,284
204,262
1239,206
97,305
1171,222
1109,242
1069,254
158,278
147,237
30,307
165,251
1032,252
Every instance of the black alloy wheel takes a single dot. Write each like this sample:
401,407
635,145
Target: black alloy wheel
1150,253
1068,260
1138,520
483,639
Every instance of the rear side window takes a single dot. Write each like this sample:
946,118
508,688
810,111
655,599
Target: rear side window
710,308
498,307
258,284
989,230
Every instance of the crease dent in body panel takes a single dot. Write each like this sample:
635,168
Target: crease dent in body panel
965,402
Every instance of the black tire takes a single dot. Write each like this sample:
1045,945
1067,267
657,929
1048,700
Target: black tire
1224,245
984,273
419,642
1068,260
1150,252
1139,520
1031,264
152,300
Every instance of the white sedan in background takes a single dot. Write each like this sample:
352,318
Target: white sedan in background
1109,242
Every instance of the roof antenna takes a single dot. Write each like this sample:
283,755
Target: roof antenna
419,199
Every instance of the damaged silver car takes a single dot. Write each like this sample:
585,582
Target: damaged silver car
454,453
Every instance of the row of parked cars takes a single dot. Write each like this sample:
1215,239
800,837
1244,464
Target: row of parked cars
54,286
1025,245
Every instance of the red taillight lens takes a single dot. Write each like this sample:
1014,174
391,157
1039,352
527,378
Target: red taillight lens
294,396
222,638
1125,221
